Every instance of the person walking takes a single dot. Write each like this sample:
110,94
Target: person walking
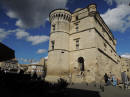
124,79
114,81
106,78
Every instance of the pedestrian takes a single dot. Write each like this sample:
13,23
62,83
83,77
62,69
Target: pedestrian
114,81
124,79
106,78
118,81
109,81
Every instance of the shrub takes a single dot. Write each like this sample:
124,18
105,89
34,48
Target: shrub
62,83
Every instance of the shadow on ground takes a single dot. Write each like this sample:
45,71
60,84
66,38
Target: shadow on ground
25,85
82,93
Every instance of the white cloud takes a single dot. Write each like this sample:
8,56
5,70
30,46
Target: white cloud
118,19
4,33
46,57
126,55
37,39
31,13
19,23
11,14
40,51
118,1
21,34
25,60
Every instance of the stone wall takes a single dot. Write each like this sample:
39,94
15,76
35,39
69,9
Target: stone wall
96,45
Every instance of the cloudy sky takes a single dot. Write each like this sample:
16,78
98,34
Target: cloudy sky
24,24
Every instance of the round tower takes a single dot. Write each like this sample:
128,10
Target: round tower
58,54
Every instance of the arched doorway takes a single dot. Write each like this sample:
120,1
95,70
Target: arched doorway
81,63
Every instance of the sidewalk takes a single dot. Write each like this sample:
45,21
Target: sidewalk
104,91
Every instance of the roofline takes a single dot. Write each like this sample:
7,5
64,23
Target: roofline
7,46
86,7
60,9
109,30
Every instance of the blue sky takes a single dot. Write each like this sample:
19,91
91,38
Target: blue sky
24,24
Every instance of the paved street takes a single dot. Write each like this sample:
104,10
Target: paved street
97,91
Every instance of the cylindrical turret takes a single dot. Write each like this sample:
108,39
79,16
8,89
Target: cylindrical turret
58,55
60,20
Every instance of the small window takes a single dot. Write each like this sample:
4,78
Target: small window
76,18
62,51
76,27
53,27
77,43
52,44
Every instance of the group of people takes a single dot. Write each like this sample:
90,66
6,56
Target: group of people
110,79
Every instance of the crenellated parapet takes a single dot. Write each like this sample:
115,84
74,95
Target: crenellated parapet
60,15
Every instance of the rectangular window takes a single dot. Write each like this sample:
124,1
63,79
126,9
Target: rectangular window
52,44
53,27
77,43
76,25
76,18
77,28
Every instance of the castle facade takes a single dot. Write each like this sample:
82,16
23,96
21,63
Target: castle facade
81,46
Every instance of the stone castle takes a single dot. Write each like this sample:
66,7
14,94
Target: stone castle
81,46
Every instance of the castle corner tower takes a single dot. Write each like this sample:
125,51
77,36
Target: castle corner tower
58,54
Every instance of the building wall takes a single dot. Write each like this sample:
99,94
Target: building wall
6,53
58,61
125,65
86,40
9,65
108,59
58,56
96,45
35,68
90,61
